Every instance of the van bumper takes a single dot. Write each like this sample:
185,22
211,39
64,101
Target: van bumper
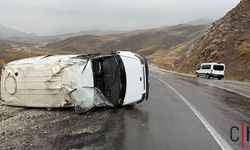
217,75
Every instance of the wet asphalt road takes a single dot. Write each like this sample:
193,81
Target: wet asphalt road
182,113
165,121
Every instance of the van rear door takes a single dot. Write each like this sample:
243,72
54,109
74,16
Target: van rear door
218,69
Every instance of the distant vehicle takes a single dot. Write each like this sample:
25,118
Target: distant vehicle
209,70
83,81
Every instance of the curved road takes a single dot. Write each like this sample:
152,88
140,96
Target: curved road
188,113
181,113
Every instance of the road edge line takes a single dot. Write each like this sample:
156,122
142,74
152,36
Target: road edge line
217,86
223,144
246,83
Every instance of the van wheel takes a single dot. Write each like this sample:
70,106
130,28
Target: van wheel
219,77
208,76
197,74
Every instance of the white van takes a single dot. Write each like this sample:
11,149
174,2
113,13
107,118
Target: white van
211,70
84,81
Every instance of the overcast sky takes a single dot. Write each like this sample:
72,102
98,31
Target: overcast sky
57,16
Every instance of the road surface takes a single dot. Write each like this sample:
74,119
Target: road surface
182,112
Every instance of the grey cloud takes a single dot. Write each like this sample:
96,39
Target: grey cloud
47,16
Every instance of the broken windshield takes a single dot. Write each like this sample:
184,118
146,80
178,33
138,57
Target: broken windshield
88,97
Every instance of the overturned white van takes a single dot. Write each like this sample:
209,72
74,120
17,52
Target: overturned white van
83,81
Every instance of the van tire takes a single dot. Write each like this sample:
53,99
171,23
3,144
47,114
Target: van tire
208,76
220,77
197,74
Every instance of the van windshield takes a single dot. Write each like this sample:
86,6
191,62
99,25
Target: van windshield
218,67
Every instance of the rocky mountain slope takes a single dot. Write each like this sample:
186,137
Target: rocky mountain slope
226,40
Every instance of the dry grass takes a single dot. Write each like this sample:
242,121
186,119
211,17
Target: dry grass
233,77
168,59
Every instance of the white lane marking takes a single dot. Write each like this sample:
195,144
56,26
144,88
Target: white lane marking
223,144
217,86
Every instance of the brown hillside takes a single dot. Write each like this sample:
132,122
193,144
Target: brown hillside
4,46
10,55
145,42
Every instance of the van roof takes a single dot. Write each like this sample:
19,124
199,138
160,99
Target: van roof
213,64
47,59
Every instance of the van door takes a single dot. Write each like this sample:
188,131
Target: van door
205,69
218,69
